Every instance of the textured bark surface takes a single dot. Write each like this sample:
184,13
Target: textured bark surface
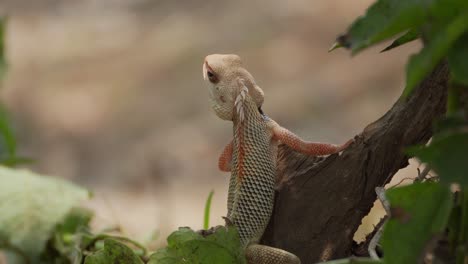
319,205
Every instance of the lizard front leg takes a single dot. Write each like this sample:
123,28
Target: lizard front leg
225,164
225,160
309,148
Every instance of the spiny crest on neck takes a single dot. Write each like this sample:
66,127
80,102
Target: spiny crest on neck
240,99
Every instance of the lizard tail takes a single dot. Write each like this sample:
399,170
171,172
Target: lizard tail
261,254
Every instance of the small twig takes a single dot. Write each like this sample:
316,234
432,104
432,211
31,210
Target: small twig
400,182
422,175
374,241
380,191
420,178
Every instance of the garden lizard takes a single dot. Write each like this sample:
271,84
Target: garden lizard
251,155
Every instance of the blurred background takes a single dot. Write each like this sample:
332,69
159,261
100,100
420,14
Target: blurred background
110,95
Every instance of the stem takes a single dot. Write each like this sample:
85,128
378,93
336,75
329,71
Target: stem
206,219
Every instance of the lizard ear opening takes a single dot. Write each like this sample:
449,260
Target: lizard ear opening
261,111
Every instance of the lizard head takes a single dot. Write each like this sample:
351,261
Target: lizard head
226,79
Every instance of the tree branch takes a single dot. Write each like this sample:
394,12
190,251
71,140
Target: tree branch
320,204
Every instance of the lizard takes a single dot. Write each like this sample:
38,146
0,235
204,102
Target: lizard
252,153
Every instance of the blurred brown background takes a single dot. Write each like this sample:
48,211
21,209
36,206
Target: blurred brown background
109,94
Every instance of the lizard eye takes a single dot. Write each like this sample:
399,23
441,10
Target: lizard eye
212,76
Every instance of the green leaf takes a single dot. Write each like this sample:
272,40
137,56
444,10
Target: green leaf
228,238
187,246
419,212
384,19
206,219
114,252
165,256
458,59
448,156
437,47
31,206
409,36
181,236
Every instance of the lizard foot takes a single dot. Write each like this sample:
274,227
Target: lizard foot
261,254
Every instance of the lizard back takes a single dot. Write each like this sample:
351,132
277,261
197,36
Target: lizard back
251,187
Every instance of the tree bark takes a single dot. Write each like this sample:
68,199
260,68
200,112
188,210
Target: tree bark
320,202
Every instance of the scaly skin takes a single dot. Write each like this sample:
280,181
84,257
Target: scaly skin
251,156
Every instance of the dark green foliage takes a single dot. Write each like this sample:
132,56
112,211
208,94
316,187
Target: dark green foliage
441,24
448,156
458,59
385,19
419,213
439,45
